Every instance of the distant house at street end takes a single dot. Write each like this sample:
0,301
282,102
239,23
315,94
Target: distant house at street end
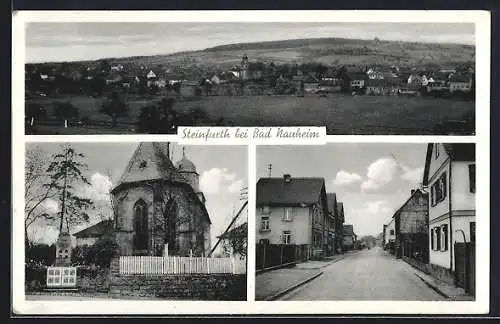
349,237
91,234
292,211
450,175
389,234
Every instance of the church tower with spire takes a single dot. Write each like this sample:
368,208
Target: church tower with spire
187,169
245,72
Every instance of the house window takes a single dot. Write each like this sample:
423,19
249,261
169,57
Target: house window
286,237
437,230
438,190
391,232
472,228
444,237
287,214
436,150
264,223
472,178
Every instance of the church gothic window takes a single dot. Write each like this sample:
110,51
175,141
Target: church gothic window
140,225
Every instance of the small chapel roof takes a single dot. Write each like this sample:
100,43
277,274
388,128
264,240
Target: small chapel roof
150,161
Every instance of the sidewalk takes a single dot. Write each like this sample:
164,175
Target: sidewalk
442,288
273,282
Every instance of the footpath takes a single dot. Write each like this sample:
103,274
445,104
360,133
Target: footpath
444,289
272,284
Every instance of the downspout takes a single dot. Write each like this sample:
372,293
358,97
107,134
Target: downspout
449,216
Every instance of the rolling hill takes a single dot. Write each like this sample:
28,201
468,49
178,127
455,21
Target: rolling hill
336,51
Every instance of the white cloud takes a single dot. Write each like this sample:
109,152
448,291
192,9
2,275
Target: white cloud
235,186
211,180
414,176
346,178
100,186
375,207
380,173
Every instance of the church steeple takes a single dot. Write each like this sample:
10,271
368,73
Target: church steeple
187,169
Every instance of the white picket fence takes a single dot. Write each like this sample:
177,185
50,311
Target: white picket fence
151,265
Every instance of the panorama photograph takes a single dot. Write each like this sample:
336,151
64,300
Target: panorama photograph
355,78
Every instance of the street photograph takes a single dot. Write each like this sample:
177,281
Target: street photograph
366,222
147,220
354,78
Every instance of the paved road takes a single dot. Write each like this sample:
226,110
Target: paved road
367,275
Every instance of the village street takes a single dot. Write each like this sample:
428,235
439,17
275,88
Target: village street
366,275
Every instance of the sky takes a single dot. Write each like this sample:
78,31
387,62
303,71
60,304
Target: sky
372,180
72,41
222,170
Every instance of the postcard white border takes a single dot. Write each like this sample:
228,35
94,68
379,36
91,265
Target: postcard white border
479,306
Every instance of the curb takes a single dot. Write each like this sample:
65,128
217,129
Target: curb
280,266
323,266
287,290
433,287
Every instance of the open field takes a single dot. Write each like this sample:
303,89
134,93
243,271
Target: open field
341,114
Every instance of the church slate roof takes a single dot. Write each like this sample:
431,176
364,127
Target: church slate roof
150,161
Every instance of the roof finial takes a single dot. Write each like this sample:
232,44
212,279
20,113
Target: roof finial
183,152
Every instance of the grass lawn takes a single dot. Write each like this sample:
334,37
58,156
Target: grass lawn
341,114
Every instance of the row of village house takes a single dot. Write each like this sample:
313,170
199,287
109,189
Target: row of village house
299,212
243,79
425,230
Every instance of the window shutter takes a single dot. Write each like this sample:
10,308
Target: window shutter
445,237
432,239
472,178
443,179
438,238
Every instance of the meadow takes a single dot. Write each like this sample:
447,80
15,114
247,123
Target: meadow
341,114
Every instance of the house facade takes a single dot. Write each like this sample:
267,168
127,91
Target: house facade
158,207
339,227
331,223
411,227
449,174
292,211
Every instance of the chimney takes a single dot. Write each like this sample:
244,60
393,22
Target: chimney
287,178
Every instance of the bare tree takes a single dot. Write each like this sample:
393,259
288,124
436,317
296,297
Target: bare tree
36,194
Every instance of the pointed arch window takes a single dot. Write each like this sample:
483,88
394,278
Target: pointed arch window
140,225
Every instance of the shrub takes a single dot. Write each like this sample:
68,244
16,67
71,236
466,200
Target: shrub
65,110
104,250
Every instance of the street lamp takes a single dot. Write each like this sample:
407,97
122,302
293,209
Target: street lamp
465,258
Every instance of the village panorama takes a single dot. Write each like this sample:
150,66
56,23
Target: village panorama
351,86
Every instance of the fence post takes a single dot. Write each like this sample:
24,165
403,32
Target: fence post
32,121
264,248
233,266
208,265
65,123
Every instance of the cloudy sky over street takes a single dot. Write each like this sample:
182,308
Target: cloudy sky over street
373,180
222,169
53,42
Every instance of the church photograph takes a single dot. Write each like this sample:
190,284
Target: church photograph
135,220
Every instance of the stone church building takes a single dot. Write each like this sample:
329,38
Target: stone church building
159,206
